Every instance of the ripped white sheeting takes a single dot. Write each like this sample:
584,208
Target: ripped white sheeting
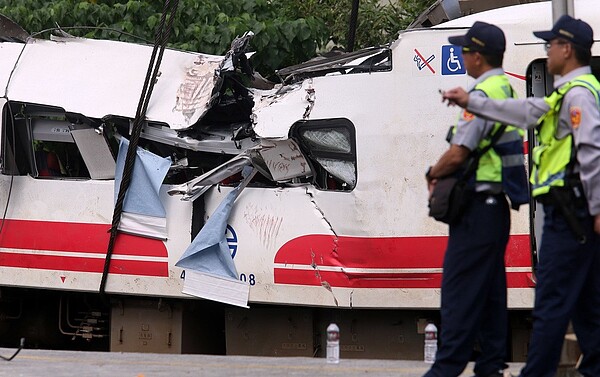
148,226
146,216
209,255
216,288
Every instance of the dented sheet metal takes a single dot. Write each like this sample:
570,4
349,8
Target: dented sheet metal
282,159
370,59
275,113
195,93
99,68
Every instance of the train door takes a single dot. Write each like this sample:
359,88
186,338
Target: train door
540,83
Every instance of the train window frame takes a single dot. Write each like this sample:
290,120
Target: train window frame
42,141
323,156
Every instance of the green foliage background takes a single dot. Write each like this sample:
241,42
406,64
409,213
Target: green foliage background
286,31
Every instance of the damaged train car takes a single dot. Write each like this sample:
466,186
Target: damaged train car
258,212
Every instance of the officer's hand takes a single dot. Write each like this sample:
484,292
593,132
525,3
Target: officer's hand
430,186
597,223
457,96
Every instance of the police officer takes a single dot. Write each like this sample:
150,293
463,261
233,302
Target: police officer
473,304
566,180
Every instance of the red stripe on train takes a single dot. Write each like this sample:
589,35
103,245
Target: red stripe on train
61,263
520,77
78,238
375,280
387,252
384,252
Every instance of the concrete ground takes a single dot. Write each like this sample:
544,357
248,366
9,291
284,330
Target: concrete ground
44,363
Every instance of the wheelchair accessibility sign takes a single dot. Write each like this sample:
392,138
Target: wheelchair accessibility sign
452,61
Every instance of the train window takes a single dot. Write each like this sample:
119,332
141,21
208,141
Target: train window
41,142
55,151
330,146
16,156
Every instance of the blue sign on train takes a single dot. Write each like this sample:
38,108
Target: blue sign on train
452,60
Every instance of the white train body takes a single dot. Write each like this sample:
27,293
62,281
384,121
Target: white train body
364,244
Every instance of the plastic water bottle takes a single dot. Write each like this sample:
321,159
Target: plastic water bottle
333,344
430,343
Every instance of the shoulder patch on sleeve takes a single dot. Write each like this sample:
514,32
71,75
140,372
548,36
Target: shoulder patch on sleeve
575,114
467,116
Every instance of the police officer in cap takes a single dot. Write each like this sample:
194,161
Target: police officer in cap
566,180
473,303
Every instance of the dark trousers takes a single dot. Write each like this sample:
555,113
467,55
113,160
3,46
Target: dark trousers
568,288
474,290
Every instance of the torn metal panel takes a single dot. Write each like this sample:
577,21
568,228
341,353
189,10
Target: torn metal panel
284,159
274,114
203,80
95,152
217,141
190,189
278,160
368,60
237,51
196,91
275,111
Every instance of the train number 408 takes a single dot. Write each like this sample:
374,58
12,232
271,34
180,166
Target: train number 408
251,279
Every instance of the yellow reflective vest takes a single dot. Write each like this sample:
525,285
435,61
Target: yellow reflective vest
552,158
504,162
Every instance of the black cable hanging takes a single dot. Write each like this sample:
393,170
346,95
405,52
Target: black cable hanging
160,41
13,160
9,358
352,25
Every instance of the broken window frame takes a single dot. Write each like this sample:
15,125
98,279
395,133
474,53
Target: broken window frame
322,179
19,123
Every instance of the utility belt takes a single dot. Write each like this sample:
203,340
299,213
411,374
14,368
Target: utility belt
569,201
